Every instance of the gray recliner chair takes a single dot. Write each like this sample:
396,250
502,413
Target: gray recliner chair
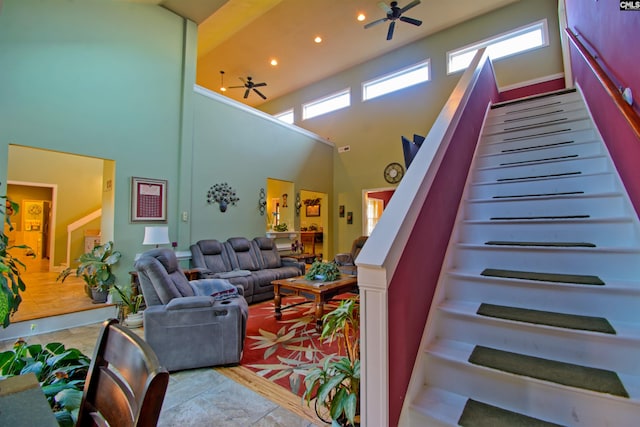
347,261
190,324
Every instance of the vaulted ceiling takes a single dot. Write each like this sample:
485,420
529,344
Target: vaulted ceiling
241,37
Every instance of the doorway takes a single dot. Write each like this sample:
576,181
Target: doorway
374,202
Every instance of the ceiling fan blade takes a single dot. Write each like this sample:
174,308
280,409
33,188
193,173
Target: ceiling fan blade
409,6
259,84
416,22
382,5
234,87
259,93
376,22
243,80
246,93
392,25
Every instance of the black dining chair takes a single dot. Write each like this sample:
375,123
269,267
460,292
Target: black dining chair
125,385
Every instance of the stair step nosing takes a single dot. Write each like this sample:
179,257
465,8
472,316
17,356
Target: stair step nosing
602,250
592,220
530,197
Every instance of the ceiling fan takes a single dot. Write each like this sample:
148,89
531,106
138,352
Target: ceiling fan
394,13
249,85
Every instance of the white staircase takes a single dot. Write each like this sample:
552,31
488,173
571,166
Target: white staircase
545,225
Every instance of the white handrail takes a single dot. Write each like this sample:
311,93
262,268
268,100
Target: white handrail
76,225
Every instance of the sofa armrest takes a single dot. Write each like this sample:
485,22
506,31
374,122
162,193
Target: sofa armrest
292,262
344,259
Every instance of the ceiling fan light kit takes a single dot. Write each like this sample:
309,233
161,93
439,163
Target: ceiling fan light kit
394,13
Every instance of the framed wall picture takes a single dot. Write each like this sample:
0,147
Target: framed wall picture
341,211
148,200
349,217
313,210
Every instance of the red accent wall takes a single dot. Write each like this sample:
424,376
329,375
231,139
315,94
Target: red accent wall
614,34
413,284
542,87
385,196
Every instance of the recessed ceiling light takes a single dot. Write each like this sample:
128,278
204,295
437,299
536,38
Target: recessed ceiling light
318,39
361,17
274,62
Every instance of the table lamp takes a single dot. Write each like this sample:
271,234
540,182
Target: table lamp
156,236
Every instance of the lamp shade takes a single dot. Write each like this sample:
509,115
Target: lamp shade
156,236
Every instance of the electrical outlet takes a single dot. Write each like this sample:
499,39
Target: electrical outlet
344,149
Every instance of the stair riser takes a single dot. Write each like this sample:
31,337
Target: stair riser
526,208
539,136
622,306
494,119
534,123
562,405
582,348
608,265
583,149
588,165
587,183
622,234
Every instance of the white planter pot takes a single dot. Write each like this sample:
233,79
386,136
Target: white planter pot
133,320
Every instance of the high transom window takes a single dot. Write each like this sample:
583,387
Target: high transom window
513,42
327,104
397,80
285,116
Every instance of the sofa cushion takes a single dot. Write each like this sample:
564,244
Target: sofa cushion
267,252
158,270
211,255
242,257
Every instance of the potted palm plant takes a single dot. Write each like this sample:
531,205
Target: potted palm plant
131,305
95,270
335,384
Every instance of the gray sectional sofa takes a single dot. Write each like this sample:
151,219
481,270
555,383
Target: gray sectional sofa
252,264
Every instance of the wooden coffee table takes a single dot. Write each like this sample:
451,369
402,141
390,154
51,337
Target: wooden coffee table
313,290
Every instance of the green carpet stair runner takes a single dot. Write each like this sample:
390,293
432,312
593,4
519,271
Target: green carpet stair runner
479,414
577,279
595,379
549,318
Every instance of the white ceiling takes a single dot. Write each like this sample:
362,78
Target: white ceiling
240,37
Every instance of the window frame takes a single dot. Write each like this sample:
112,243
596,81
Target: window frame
541,25
326,99
286,113
395,74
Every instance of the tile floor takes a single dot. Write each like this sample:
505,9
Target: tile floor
199,397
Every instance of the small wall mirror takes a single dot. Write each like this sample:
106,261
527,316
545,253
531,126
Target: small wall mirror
281,211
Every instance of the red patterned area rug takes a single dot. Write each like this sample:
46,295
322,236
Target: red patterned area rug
284,350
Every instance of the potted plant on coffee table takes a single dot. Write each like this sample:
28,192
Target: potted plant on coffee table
335,384
327,271
95,270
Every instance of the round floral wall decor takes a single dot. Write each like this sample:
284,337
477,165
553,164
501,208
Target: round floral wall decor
222,194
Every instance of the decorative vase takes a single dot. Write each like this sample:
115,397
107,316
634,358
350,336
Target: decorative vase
223,206
134,320
98,296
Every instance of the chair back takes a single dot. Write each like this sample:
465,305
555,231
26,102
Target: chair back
357,246
125,385
161,277
211,255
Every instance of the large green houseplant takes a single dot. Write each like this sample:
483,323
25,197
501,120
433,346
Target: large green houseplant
320,270
60,371
11,281
95,269
335,384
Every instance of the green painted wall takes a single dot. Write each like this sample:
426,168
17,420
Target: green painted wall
244,149
99,79
372,129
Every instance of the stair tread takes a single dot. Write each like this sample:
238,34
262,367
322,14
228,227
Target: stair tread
480,414
549,318
554,247
546,196
584,377
578,279
559,95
